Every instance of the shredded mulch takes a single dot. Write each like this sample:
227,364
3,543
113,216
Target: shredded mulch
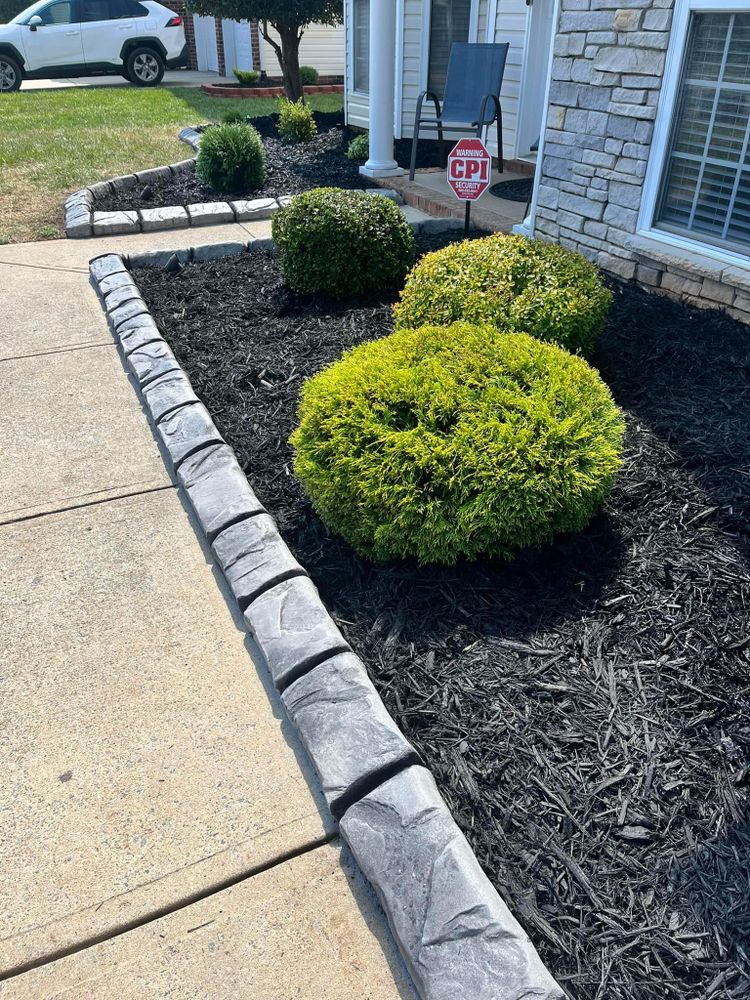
291,168
585,709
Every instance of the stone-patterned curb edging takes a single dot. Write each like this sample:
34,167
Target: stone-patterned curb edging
82,221
457,936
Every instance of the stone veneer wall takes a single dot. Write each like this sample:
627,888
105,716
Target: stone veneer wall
607,72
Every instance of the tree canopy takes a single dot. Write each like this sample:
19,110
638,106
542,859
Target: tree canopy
288,13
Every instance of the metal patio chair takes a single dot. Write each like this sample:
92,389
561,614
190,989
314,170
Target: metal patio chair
472,95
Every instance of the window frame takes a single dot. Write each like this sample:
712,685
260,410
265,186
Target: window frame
667,107
354,90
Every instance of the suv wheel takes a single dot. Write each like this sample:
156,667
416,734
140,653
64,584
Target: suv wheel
11,74
144,67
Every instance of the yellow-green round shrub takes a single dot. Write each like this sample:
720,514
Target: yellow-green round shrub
445,443
515,284
296,121
342,243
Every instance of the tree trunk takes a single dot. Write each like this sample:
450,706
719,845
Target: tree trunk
290,63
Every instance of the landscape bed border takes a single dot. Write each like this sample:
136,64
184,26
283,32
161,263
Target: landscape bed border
457,936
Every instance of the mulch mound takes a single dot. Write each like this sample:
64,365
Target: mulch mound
291,168
585,709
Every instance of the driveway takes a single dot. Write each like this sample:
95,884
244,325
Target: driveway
173,78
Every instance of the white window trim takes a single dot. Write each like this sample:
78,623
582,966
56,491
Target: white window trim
662,128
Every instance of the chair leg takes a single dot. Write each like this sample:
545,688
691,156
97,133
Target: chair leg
414,144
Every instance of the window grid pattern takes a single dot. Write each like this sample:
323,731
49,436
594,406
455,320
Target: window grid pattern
361,39
705,188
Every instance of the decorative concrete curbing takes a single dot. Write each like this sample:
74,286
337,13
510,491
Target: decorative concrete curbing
81,221
457,936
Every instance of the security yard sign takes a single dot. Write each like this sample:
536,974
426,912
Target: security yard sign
469,166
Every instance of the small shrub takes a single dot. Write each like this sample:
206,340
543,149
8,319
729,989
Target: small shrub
308,75
233,118
454,442
342,242
296,122
231,158
359,148
513,283
246,77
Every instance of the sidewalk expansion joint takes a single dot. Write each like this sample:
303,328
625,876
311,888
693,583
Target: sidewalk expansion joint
165,911
87,503
53,351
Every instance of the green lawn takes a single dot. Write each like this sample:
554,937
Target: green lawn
55,141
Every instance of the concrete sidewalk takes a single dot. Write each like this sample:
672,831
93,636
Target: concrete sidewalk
172,78
162,830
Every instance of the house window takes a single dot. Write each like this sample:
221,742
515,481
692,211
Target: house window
361,35
449,23
705,185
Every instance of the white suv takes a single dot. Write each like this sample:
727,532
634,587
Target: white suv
55,38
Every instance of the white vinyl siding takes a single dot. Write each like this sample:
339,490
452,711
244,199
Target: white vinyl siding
322,47
705,188
510,26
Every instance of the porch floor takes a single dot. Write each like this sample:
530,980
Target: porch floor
429,191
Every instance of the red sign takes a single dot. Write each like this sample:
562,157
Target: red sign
469,167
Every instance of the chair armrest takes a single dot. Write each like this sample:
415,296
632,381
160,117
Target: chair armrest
420,100
491,99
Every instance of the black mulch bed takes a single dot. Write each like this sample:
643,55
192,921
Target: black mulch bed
290,169
585,709
517,190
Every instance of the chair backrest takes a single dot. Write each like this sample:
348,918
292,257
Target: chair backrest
475,69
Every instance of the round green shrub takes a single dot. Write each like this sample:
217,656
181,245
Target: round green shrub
444,443
308,76
342,242
359,148
231,158
515,284
233,118
296,121
246,77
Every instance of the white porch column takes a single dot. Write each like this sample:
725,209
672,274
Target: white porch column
382,90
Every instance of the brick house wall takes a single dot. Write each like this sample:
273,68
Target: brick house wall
607,70
178,6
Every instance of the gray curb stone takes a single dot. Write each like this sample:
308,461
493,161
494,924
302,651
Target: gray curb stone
190,136
129,310
153,174
254,557
293,629
106,265
345,728
149,362
115,223
254,210
210,213
186,430
458,937
173,217
139,336
120,279
218,489
168,393
215,251
125,183
119,296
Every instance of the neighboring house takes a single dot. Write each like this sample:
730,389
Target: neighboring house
221,44
644,165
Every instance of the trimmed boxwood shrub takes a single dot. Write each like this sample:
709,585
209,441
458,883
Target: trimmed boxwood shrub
246,77
308,76
296,121
231,158
515,284
454,442
342,243
359,148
